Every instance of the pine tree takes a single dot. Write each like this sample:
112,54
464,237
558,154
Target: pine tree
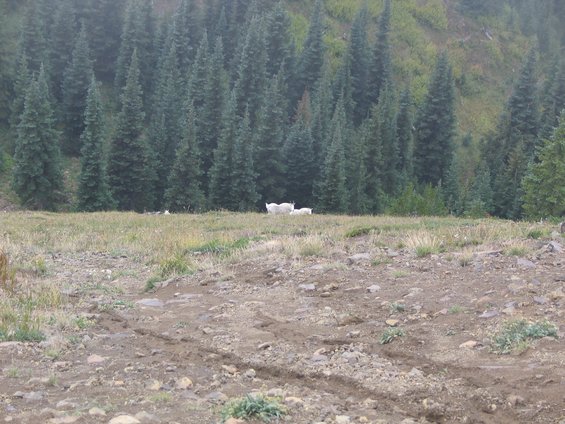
311,60
404,123
199,75
128,171
268,141
62,43
37,176
322,109
386,115
553,100
21,83
278,40
356,170
251,75
507,185
451,189
33,38
104,29
357,54
373,163
184,193
435,126
332,196
76,82
481,197
523,108
186,33
298,158
243,190
220,191
93,191
381,66
544,183
211,113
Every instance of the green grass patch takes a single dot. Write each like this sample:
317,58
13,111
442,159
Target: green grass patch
253,407
390,334
515,336
360,231
175,265
7,274
220,248
18,323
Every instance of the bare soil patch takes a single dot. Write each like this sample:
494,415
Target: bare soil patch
306,329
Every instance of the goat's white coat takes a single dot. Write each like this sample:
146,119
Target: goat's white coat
302,211
283,208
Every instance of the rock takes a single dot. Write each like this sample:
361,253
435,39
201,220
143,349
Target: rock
33,396
230,369
490,409
358,258
95,359
294,401
124,419
183,384
525,263
342,419
556,295
470,344
554,246
319,358
234,421
147,418
484,302
97,412
265,345
392,322
153,303
374,288
515,400
66,404
489,314
363,419
67,419
540,300
348,319
415,373
509,311
433,410
307,287
153,385
276,392
217,397
250,373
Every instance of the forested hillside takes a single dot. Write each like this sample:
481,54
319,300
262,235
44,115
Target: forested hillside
346,106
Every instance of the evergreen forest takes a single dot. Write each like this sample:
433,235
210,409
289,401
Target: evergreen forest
408,107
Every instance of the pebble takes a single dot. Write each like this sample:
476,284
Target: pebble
470,344
234,421
307,287
146,417
359,257
342,419
250,373
153,303
97,412
293,401
183,384
525,263
124,419
230,369
67,419
95,359
374,288
392,322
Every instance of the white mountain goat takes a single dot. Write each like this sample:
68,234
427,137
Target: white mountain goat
282,209
302,211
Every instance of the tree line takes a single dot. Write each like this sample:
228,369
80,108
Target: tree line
214,107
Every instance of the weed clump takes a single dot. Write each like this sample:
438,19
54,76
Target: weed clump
390,334
516,335
253,407
7,274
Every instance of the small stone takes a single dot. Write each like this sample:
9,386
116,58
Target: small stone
307,287
342,419
66,404
124,419
250,373
415,373
470,344
33,396
326,294
348,319
484,302
363,419
489,314
293,401
276,392
217,397
392,322
97,412
230,369
265,345
359,257
183,384
153,385
67,419
153,303
146,417
374,288
95,359
540,300
490,409
353,334
525,263
515,400
234,421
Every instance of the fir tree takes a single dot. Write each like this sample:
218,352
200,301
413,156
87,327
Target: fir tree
278,40
311,60
128,172
404,124
186,32
544,183
220,191
435,126
386,115
553,100
211,113
268,141
37,176
507,185
381,66
373,163
93,191
76,84
184,193
298,158
33,37
62,43
481,197
21,83
199,75
243,192
451,189
322,108
332,196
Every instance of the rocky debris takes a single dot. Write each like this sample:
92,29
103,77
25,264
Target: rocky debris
358,258
183,384
124,419
152,303
470,344
95,359
96,412
374,288
525,263
307,287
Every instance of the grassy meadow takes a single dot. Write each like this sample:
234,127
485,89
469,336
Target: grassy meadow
171,245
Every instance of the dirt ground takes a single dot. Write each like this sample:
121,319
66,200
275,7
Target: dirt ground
307,330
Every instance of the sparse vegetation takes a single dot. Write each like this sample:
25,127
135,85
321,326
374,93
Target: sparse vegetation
254,406
423,243
390,334
7,274
515,336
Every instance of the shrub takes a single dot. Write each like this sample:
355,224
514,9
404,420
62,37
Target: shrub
253,407
390,334
7,274
517,334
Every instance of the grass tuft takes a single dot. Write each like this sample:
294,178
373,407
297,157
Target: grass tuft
359,231
516,335
423,243
390,334
253,407
7,274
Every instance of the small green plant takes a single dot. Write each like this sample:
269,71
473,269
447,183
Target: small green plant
397,307
516,250
53,353
535,234
216,247
253,407
455,309
390,334
161,397
151,284
465,260
359,231
13,372
39,266
18,323
83,323
400,274
53,380
516,335
175,265
381,261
